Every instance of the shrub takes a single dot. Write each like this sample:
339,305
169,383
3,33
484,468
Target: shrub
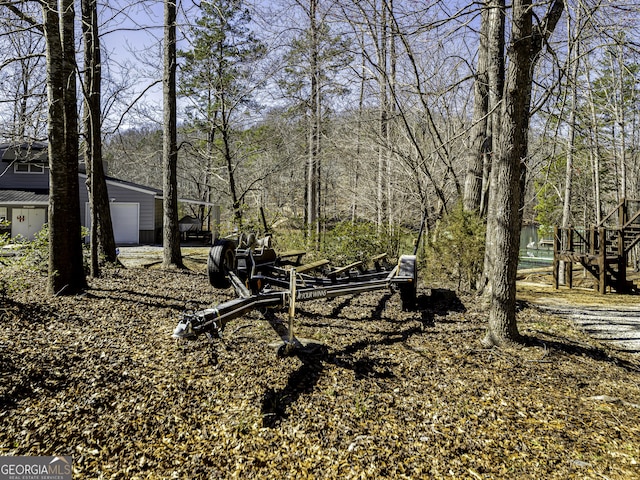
456,248
32,256
349,242
16,269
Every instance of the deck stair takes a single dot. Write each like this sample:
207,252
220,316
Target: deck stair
603,250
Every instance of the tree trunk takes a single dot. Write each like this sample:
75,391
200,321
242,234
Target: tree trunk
172,257
478,134
313,160
619,108
595,150
495,72
383,119
228,159
495,75
574,59
392,111
101,226
511,150
66,272
356,164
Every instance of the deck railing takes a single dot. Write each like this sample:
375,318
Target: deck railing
603,251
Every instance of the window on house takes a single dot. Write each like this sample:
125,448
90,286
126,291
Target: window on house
28,168
3,214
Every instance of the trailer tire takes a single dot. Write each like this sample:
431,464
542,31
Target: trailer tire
222,259
408,290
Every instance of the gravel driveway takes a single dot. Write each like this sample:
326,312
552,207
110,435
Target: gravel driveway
619,326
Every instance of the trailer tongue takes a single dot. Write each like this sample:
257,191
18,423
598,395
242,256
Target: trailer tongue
264,279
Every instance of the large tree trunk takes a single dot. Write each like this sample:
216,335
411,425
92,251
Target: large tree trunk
101,226
172,257
495,73
66,272
511,151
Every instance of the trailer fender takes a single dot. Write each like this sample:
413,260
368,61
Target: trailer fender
408,281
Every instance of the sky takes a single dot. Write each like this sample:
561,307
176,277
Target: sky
131,39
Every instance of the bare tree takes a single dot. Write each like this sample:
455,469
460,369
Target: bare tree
511,151
23,95
571,92
101,233
66,272
410,137
314,186
382,47
479,147
172,257
594,148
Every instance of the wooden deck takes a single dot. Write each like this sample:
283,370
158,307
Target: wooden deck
603,251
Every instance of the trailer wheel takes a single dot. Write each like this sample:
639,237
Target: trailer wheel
409,289
222,259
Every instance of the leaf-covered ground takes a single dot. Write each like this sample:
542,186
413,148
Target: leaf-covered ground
394,394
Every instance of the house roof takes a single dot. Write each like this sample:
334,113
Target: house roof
24,197
35,152
41,197
130,185
158,193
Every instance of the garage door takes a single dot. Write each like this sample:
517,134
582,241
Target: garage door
125,218
126,225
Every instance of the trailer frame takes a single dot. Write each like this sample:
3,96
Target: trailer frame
262,280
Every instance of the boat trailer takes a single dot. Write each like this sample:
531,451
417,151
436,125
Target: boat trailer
264,279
